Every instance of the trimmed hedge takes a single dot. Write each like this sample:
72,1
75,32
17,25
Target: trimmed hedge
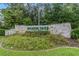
2,32
75,33
36,33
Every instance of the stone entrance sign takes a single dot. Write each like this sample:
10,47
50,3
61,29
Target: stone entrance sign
63,29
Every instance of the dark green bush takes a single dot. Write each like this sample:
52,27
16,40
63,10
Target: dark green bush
19,42
75,34
2,32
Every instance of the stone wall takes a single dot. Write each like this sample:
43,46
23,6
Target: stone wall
20,29
63,29
10,32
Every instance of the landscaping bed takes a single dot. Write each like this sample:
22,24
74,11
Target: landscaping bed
24,43
40,45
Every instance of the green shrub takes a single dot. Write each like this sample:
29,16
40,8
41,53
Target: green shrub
36,33
19,42
75,33
2,32
27,21
58,40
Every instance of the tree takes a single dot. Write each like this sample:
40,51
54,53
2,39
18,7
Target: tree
54,14
62,13
35,12
15,14
42,14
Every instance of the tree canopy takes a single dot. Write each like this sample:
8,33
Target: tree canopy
32,14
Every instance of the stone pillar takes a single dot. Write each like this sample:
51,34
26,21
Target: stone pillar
21,29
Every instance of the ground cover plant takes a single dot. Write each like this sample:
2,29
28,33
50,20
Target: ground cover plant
22,42
75,33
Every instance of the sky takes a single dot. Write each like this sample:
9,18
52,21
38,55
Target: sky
3,5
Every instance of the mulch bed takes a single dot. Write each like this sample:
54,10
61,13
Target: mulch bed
73,43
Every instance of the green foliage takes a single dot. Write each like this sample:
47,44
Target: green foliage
26,43
27,21
52,13
36,33
61,13
2,32
14,14
19,42
58,40
75,33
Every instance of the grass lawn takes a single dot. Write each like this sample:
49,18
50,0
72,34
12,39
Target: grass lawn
55,52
